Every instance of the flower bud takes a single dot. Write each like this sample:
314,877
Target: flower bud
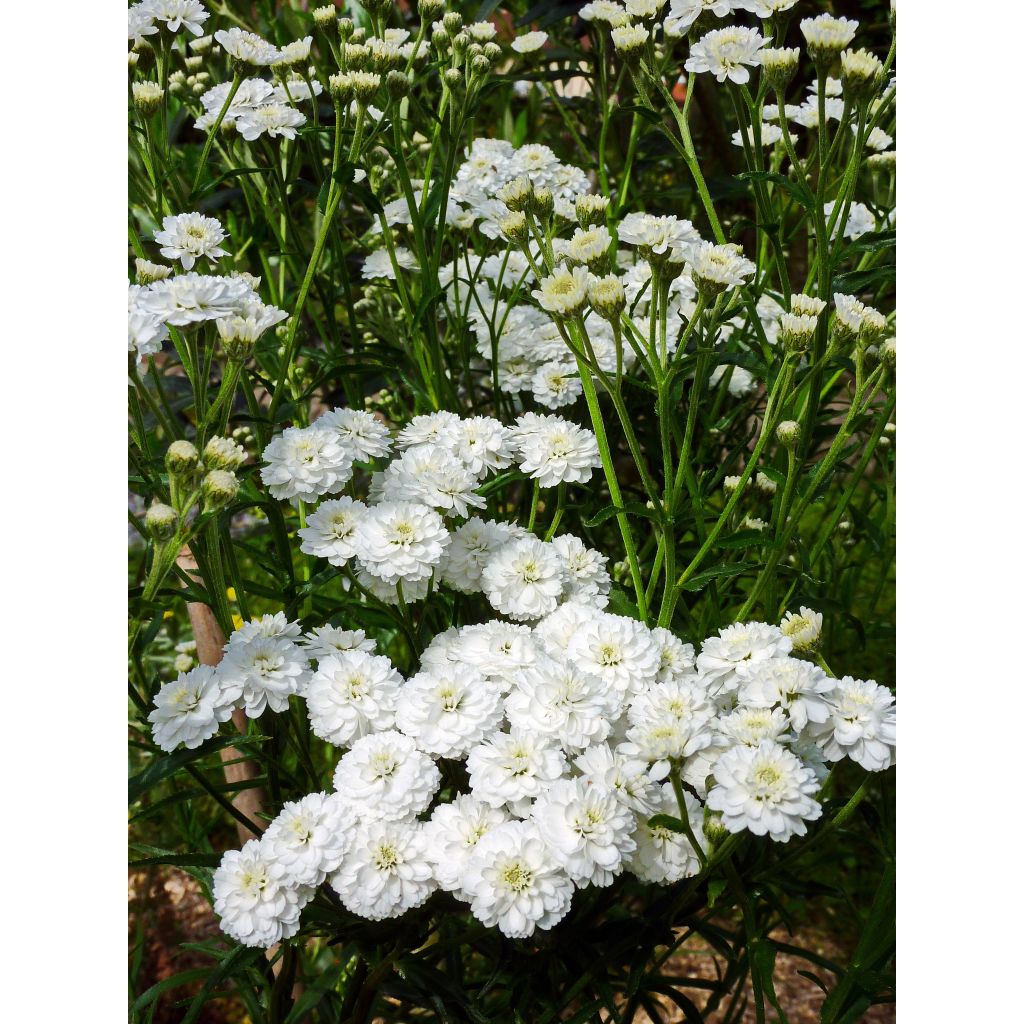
453,78
630,41
608,297
452,22
764,485
430,10
365,84
201,44
516,194
223,453
806,305
797,332
220,488
326,18
398,84
591,210
827,37
440,39
460,43
357,56
147,273
377,6
193,63
714,830
147,96
182,459
861,73
183,662
779,65
340,88
480,65
804,629
731,484
543,202
133,60
346,27
161,521
788,433
492,51
358,36
513,227
872,327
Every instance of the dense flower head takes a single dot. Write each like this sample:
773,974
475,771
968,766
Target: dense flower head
352,694
861,724
400,541
189,710
309,837
727,53
302,463
524,579
191,236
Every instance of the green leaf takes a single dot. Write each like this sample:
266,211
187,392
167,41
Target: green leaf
160,768
796,189
715,889
701,580
631,508
234,963
856,281
666,821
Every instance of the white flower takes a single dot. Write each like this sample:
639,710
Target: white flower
741,380
563,292
606,11
514,767
524,579
190,236
826,35
435,428
352,694
861,724
663,856
246,47
146,333
452,833
378,263
189,710
750,725
556,384
449,709
386,777
663,236
482,445
727,53
559,452
327,641
496,650
618,650
192,298
721,265
670,721
176,14
587,828
555,699
266,627
386,872
859,221
273,119
387,593
472,545
620,771
630,38
556,630
514,882
400,541
800,688
251,94
677,659
330,532
309,837
265,672
683,13
361,432
766,790
529,41
433,476
140,22
770,134
302,463
803,629
255,905
586,578
743,643
764,9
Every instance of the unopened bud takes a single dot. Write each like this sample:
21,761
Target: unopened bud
480,65
453,78
516,194
861,73
430,10
220,488
543,202
346,26
788,433
398,84
147,273
779,65
452,22
513,227
326,18
223,453
764,485
161,521
608,297
797,332
591,210
888,352
147,96
714,829
182,459
731,484
201,44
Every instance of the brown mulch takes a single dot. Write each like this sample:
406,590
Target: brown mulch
166,908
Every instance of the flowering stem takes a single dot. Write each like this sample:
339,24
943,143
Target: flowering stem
534,501
684,815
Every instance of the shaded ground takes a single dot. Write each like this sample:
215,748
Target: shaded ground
167,908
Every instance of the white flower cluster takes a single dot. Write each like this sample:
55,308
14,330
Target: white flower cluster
568,731
259,107
182,300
